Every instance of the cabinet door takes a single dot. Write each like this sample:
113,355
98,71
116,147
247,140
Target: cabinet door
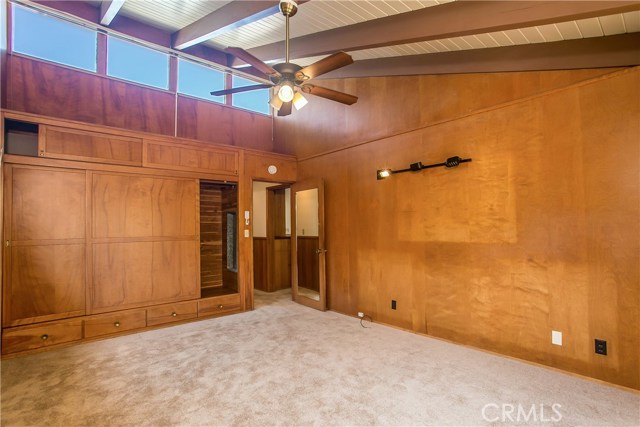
126,205
87,146
135,274
145,242
45,257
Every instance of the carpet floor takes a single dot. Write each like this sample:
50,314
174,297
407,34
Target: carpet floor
285,364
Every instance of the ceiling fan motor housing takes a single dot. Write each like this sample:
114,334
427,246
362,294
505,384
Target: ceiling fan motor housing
288,8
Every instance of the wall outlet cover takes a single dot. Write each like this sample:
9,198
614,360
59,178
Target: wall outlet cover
556,337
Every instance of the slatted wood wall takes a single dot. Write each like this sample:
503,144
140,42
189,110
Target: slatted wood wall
210,235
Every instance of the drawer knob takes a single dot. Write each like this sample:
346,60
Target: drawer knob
44,337
220,306
174,314
116,324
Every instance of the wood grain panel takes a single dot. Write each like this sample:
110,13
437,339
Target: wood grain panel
208,121
45,335
43,88
135,274
190,158
46,282
260,272
74,144
391,105
538,233
47,204
308,262
256,166
281,269
140,206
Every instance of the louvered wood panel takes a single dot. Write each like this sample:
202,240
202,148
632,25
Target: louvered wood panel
210,235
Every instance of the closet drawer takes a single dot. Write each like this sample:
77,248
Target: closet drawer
42,335
172,313
114,323
218,305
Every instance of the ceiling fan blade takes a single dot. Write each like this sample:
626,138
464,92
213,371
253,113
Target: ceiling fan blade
240,89
285,110
331,94
252,60
330,63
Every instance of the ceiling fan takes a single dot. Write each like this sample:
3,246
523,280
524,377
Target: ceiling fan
289,79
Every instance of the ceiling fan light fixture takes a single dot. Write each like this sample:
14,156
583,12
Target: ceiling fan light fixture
275,102
299,101
286,92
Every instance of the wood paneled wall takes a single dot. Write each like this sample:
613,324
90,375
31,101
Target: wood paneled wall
42,88
47,89
218,123
539,233
388,106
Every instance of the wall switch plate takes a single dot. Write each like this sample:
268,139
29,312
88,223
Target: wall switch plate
601,347
246,233
556,337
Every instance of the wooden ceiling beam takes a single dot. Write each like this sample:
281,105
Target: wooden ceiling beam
460,18
597,52
109,9
228,17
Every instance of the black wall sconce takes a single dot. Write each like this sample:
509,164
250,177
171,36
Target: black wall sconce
451,162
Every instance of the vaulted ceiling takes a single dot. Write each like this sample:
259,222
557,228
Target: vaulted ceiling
393,37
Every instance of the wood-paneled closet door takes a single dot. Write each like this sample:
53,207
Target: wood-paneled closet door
45,238
308,251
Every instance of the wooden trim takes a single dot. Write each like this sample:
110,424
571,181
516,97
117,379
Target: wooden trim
228,17
101,62
109,9
596,52
6,226
449,20
76,125
69,164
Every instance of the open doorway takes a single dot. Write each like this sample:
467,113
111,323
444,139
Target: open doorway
271,237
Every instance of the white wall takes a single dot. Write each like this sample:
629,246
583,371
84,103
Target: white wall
260,208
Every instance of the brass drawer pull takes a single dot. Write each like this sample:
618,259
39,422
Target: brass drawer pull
174,314
44,337
116,324
220,306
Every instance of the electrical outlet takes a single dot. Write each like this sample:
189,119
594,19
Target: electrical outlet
360,314
556,337
601,347
393,304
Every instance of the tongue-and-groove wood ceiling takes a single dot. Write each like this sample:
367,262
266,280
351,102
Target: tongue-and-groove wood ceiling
406,36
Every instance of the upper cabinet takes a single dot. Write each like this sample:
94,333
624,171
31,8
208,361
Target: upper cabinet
72,144
190,157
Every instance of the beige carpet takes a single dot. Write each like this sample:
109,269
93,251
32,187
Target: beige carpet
285,364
